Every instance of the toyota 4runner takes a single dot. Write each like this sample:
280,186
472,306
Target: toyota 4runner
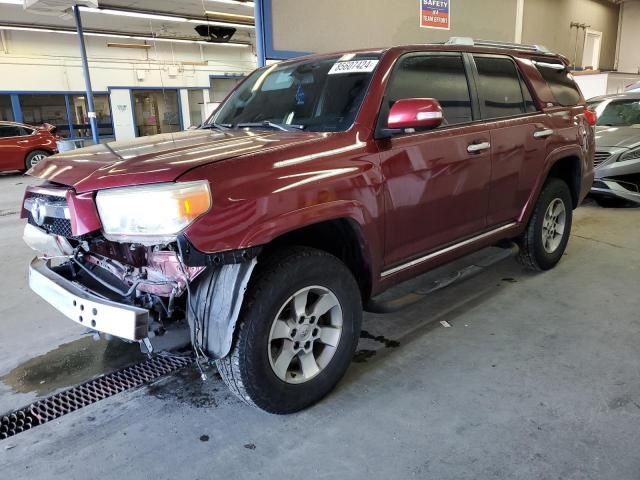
318,183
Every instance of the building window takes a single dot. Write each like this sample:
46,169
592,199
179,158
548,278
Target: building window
156,111
80,118
221,87
6,111
42,108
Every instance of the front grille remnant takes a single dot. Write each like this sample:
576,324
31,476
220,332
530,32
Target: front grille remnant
75,398
600,157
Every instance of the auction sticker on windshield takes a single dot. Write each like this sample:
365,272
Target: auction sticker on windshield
354,66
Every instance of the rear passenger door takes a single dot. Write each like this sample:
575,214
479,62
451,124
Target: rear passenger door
436,180
11,150
519,135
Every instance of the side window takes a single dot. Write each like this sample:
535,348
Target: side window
9,131
25,131
441,77
560,82
529,104
499,87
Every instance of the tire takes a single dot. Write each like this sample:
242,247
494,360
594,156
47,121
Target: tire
34,158
250,369
540,248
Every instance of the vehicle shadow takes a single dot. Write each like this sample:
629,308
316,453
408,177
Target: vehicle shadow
384,336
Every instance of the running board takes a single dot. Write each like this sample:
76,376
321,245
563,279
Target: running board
443,277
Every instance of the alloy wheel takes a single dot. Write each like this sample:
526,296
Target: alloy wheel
553,225
36,159
305,334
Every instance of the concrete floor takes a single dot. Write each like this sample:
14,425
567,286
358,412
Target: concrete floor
537,378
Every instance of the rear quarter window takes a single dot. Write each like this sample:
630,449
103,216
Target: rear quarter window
561,83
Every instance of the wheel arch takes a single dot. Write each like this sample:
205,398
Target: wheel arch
565,164
569,169
342,237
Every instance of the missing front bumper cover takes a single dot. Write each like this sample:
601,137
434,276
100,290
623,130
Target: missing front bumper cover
85,307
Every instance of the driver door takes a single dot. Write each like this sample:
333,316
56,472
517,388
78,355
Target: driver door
437,181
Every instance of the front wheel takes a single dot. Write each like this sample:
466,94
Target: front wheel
545,239
34,158
297,333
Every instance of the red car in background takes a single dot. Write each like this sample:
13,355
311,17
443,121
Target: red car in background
23,146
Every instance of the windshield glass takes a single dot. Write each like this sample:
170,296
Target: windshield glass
617,113
320,95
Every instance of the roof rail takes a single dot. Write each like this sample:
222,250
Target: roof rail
471,42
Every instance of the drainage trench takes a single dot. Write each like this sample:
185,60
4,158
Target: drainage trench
75,398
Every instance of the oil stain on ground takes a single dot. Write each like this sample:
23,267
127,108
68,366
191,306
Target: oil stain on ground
186,387
71,364
362,355
380,339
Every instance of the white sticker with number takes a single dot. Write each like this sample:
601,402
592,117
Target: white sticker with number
354,66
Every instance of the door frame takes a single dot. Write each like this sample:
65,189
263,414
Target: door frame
594,61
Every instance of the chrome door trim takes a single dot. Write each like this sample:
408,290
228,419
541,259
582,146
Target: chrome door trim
448,249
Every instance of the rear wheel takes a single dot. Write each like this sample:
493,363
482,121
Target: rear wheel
34,158
545,240
297,332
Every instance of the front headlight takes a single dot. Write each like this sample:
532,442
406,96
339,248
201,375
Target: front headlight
151,213
630,155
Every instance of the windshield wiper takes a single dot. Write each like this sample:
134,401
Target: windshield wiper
268,124
218,126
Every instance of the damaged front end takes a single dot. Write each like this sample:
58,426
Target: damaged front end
143,292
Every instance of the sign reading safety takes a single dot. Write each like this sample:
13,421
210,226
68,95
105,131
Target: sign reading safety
435,14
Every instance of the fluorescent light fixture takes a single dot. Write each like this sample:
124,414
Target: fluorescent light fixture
222,24
121,35
248,18
12,2
125,13
235,2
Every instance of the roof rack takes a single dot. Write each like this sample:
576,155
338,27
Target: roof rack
471,42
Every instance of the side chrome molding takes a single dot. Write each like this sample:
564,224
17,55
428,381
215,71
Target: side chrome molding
448,249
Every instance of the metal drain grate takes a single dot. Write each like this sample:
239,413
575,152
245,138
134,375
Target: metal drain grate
75,398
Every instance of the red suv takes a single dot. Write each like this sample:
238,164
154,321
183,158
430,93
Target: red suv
319,183
23,146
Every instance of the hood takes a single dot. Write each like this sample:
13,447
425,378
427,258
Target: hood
160,158
620,137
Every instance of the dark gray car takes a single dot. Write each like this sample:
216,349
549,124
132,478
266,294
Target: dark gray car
617,159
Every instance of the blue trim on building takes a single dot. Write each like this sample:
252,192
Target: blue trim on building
267,23
17,109
226,75
46,92
261,52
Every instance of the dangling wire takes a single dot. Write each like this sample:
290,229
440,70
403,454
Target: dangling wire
197,321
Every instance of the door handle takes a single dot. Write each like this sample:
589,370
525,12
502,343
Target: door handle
23,141
547,132
478,147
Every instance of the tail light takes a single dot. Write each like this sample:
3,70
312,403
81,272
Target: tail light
591,116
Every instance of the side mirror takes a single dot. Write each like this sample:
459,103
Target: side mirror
415,113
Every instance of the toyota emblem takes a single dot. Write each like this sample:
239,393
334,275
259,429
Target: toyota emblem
39,211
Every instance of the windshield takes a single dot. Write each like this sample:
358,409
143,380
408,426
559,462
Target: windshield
320,95
617,113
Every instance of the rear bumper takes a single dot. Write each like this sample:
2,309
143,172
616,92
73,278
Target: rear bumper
86,308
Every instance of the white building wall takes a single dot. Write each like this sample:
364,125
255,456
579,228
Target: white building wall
629,53
122,114
184,103
49,62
